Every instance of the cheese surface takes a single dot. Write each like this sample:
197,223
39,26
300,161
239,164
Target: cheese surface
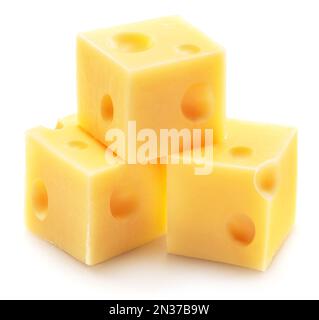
92,209
161,73
242,212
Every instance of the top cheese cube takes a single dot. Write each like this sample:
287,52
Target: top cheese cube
161,73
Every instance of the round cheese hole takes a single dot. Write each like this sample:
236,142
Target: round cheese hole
188,49
131,42
123,203
241,152
107,108
77,144
267,180
40,199
242,229
197,103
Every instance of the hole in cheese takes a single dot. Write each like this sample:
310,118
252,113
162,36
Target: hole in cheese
241,152
267,180
107,109
197,103
188,49
77,144
242,229
132,42
123,202
40,199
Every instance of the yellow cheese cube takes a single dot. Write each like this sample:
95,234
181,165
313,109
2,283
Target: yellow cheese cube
160,73
242,212
92,209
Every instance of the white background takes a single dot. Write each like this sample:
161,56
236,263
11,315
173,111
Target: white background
272,76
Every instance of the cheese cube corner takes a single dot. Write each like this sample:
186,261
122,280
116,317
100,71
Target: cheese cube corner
161,73
243,211
92,209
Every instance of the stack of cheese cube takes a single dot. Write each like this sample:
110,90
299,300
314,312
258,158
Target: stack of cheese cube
161,73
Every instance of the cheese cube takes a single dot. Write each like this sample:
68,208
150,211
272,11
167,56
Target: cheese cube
91,209
160,73
242,212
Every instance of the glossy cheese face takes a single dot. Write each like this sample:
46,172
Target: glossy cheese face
160,73
242,212
91,209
